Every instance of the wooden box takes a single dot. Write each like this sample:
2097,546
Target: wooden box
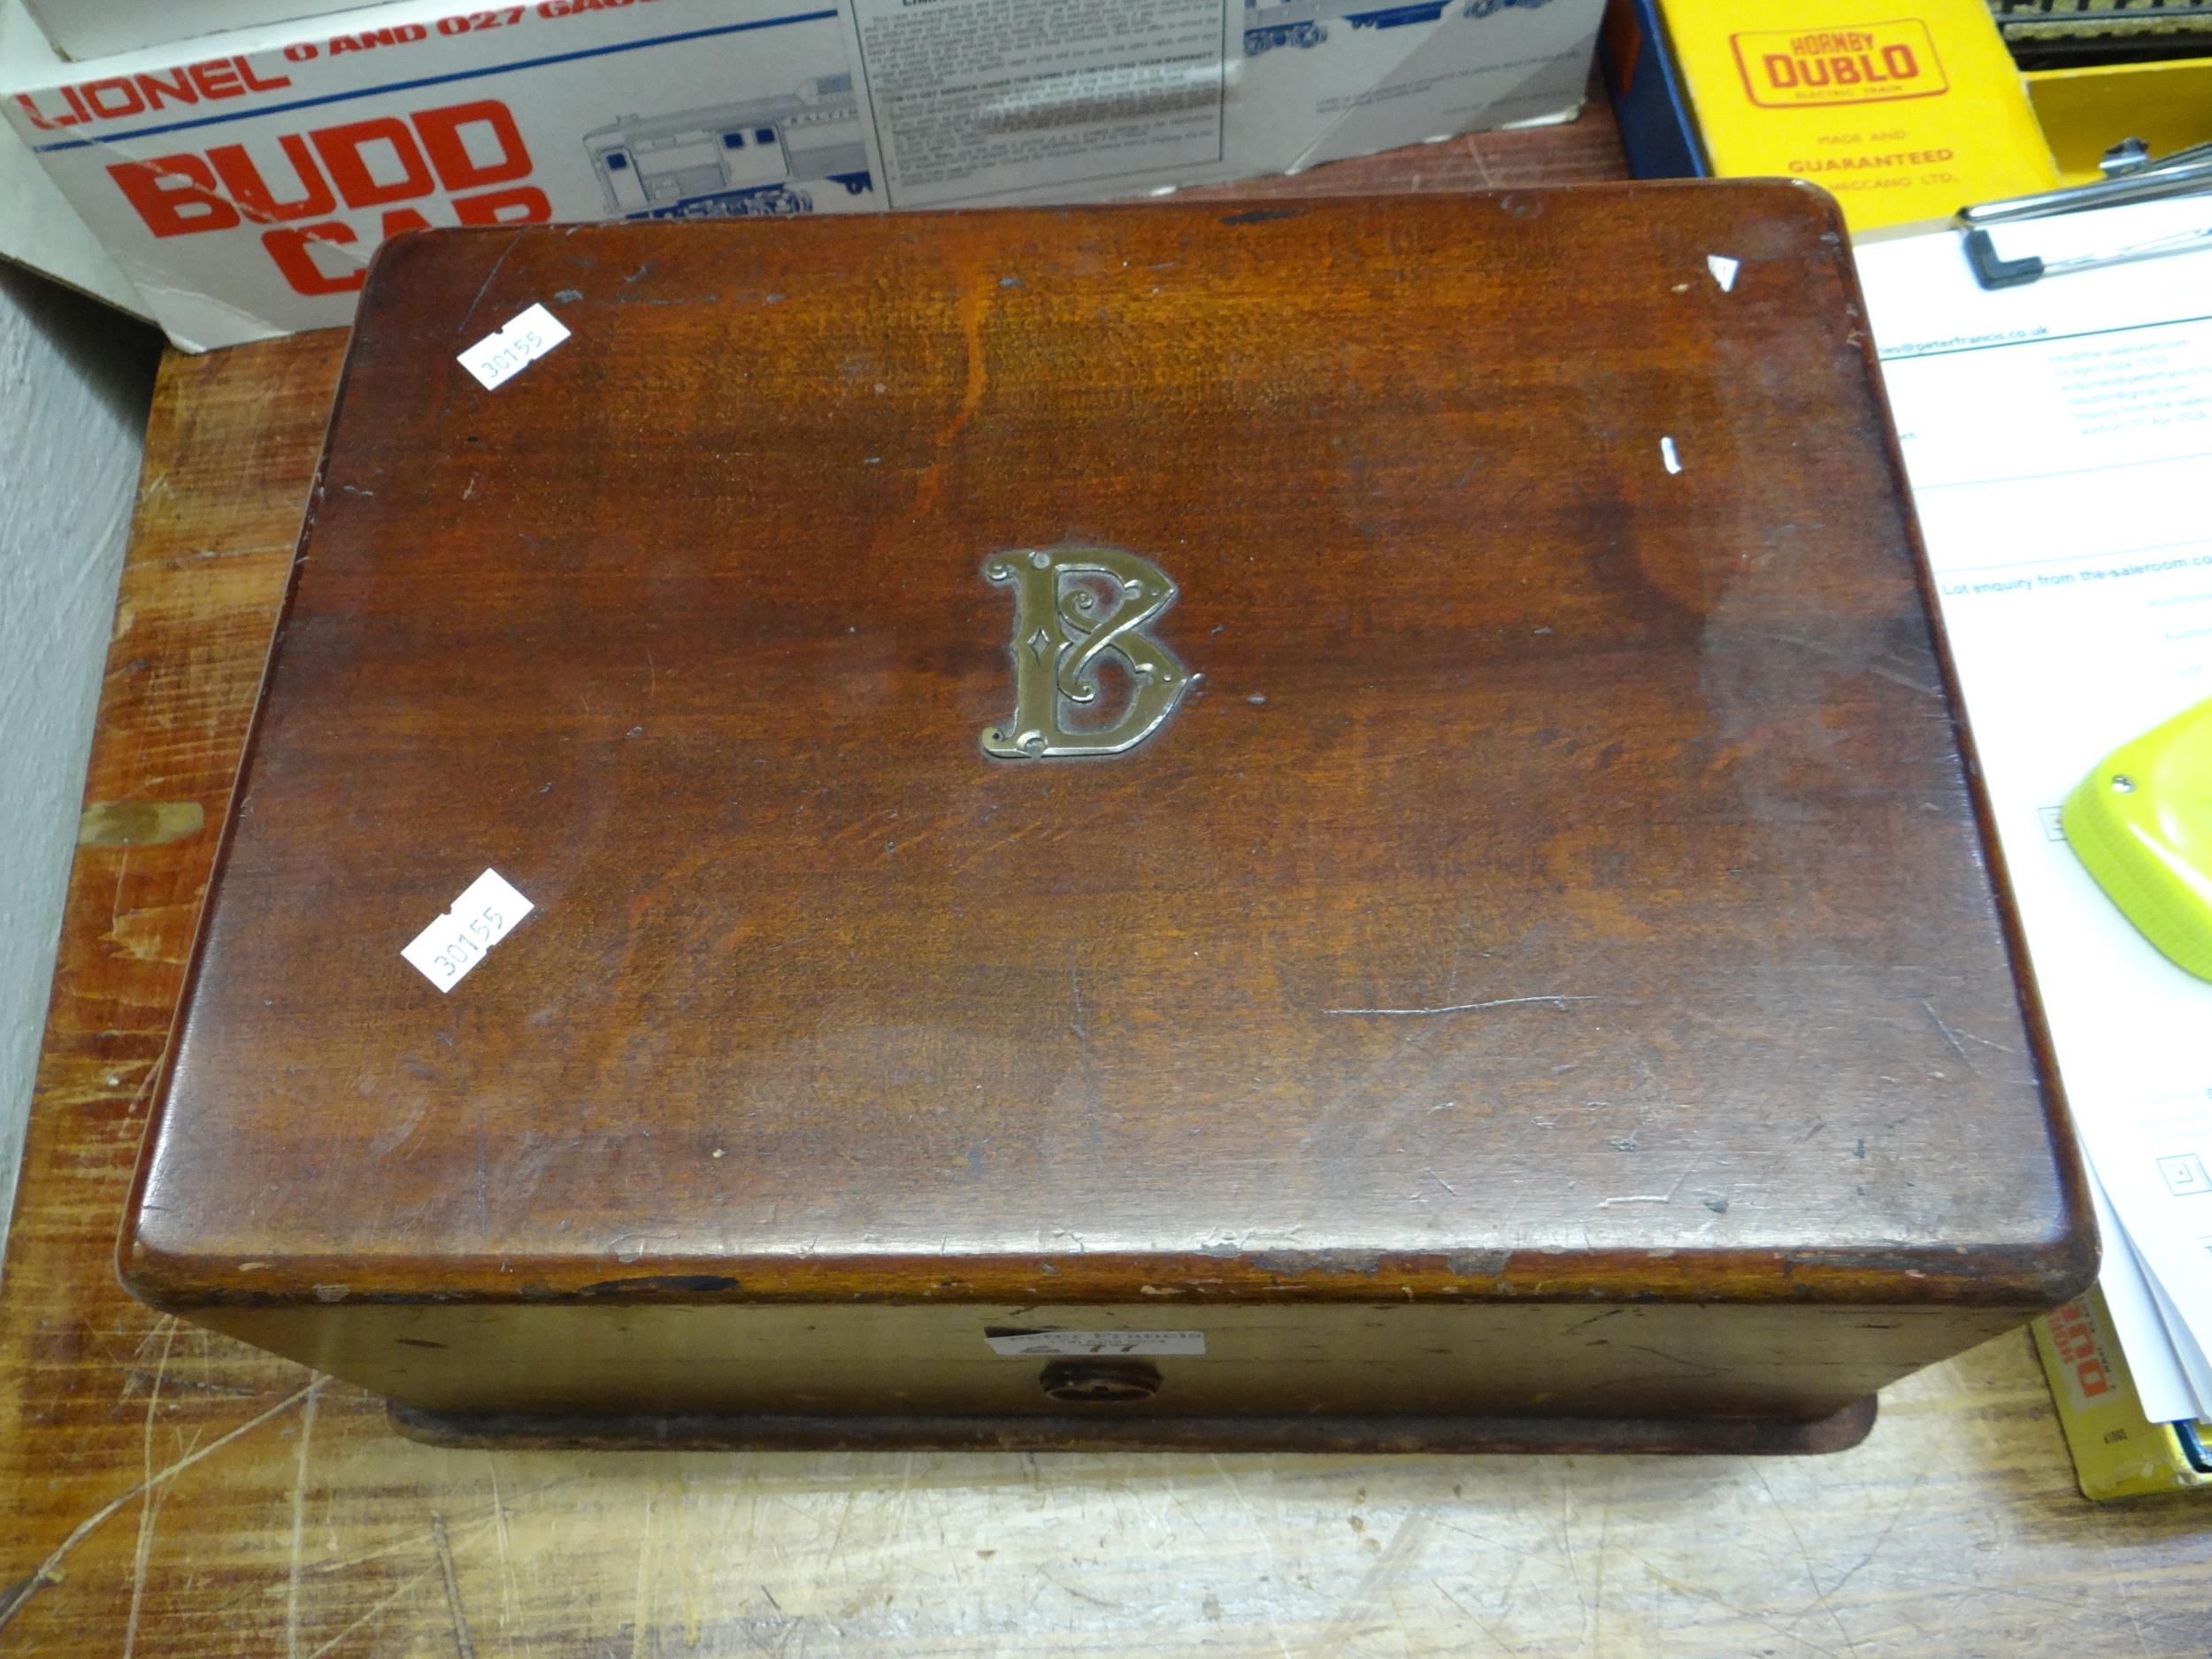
1322,824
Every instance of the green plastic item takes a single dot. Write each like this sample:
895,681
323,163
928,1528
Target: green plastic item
2142,822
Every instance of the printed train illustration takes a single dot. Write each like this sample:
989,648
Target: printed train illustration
1271,23
734,160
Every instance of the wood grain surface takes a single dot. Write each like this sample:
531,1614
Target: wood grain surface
1526,975
163,1490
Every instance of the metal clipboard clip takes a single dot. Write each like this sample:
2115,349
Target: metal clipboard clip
2131,175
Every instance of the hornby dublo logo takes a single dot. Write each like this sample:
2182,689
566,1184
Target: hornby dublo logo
1863,63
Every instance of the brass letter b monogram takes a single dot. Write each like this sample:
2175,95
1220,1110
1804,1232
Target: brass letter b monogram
1075,610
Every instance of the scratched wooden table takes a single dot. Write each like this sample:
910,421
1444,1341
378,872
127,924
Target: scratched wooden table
167,1492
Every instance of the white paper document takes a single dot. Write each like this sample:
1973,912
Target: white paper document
2058,436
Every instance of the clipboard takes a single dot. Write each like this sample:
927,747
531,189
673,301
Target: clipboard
2132,175
2056,437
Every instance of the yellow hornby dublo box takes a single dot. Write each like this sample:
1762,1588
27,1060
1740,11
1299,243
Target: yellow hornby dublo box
1903,115
2118,1452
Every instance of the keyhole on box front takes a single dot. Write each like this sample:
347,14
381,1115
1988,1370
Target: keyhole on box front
1100,1381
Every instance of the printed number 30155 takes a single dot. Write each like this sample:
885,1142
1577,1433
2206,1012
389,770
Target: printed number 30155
471,942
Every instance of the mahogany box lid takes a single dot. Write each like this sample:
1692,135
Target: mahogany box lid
1553,869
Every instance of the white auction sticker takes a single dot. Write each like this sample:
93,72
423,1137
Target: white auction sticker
1014,1344
456,942
497,358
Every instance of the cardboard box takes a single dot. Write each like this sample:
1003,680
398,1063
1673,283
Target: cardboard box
2086,111
39,229
2118,1452
1658,132
243,184
1902,118
84,30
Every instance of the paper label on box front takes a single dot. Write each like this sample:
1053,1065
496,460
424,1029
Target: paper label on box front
497,358
484,914
1015,1344
975,98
